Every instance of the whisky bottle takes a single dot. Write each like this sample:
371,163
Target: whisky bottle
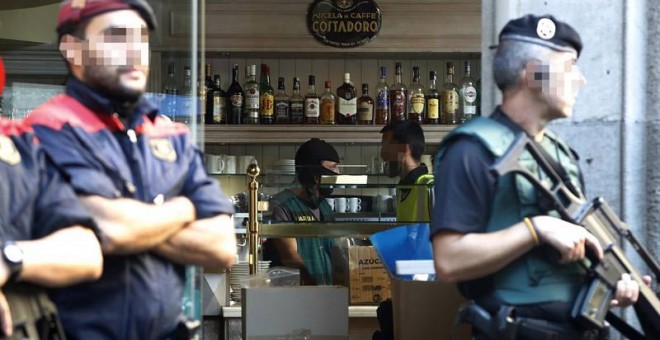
365,110
346,102
200,103
267,102
416,98
468,95
216,109
235,99
208,79
251,88
449,99
312,110
297,103
398,96
282,113
382,99
171,91
328,102
432,100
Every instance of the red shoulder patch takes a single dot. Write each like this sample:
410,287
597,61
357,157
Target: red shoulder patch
62,109
13,127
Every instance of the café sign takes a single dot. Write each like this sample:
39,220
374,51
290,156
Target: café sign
344,23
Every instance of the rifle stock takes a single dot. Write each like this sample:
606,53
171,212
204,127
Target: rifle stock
592,304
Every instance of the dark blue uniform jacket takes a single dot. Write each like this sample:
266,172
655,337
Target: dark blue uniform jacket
138,296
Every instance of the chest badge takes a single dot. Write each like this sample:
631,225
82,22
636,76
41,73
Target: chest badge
8,152
163,149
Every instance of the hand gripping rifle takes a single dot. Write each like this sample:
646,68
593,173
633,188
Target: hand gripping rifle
592,303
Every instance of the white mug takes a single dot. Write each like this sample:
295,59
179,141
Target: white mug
215,164
354,204
340,205
230,164
331,203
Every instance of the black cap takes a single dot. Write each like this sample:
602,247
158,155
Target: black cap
543,30
312,153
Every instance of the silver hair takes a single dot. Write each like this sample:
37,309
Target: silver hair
511,59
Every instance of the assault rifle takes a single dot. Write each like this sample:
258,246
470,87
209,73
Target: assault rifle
592,304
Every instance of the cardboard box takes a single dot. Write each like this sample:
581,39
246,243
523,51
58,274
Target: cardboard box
426,310
361,270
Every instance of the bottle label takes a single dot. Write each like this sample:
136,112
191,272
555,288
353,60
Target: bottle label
312,107
219,109
237,100
399,103
252,99
417,103
365,111
267,104
383,100
433,108
470,94
347,108
281,109
327,110
297,111
450,101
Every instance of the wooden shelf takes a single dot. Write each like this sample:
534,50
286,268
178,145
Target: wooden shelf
297,134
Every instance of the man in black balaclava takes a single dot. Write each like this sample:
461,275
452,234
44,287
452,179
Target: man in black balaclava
314,159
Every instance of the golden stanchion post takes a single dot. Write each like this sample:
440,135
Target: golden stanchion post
253,222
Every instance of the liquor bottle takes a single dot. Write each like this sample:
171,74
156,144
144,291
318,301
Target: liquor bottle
365,110
200,103
235,99
171,91
266,111
311,103
216,109
328,102
208,80
251,88
416,98
185,112
398,97
449,108
282,112
347,102
296,103
468,95
432,100
382,99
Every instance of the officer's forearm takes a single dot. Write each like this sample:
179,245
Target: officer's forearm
209,242
62,258
461,257
129,226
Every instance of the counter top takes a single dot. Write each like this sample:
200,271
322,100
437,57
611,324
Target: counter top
353,311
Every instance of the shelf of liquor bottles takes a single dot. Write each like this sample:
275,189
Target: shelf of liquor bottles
296,134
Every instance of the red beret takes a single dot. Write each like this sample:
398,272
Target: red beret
73,12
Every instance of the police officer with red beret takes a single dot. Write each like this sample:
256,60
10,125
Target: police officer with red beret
140,176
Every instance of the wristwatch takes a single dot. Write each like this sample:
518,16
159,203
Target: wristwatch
13,256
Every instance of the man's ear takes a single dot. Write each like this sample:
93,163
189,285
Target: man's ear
71,50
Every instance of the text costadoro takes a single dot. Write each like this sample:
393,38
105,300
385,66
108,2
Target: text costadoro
344,26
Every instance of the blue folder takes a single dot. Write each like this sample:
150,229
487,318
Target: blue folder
409,242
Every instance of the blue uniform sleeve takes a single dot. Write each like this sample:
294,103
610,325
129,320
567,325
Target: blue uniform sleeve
464,188
84,173
56,206
203,191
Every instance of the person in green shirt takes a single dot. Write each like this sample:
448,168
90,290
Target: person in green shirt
305,204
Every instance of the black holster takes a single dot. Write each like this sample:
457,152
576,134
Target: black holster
33,314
